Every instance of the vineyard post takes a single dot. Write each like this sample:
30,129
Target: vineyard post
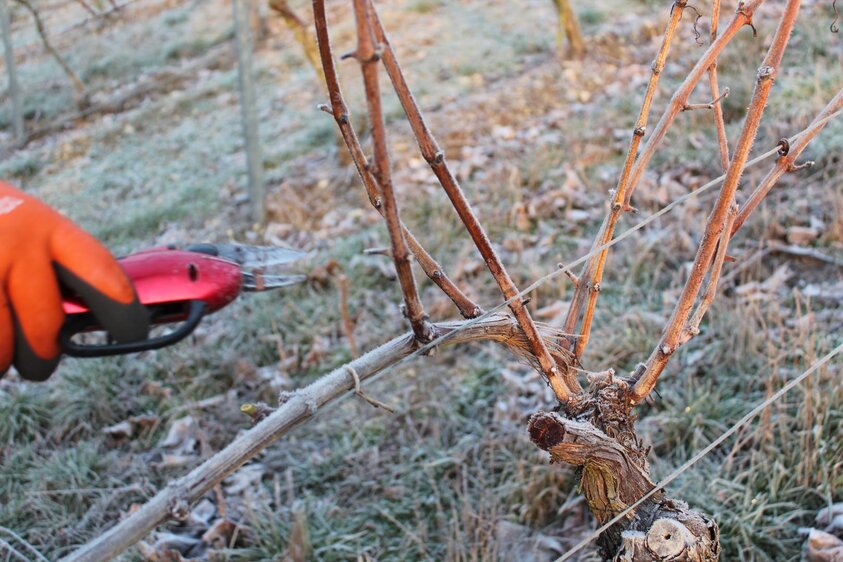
248,109
11,70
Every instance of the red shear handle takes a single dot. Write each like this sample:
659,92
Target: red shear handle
174,285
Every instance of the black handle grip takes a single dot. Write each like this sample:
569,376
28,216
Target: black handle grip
77,324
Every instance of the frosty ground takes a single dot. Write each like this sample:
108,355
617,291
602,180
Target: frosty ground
538,141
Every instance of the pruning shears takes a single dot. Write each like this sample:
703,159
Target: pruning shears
182,285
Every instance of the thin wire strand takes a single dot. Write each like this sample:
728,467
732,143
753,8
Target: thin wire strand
696,458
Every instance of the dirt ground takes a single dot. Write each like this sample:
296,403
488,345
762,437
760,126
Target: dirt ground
537,140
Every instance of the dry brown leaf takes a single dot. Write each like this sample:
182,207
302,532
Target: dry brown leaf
521,217
467,268
155,553
174,461
553,313
144,421
756,291
182,436
299,548
245,478
836,526
324,274
319,348
513,245
519,543
122,430
202,513
220,533
156,390
828,514
276,375
577,215
801,235
824,547
130,427
831,519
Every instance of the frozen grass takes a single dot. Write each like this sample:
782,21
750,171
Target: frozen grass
434,480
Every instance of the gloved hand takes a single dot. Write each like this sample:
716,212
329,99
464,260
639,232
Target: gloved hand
39,250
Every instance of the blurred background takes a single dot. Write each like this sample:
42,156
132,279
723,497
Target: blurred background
132,126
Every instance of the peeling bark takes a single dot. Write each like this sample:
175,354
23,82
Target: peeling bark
597,435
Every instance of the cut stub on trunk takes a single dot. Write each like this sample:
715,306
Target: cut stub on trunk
614,476
677,534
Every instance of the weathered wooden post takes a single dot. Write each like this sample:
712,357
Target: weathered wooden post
11,70
248,108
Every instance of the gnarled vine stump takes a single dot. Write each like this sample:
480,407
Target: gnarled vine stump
596,433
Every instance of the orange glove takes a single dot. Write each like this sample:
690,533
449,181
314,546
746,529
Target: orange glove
39,248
